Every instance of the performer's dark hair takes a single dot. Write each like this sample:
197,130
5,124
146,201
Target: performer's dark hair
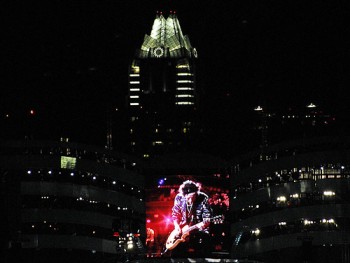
188,187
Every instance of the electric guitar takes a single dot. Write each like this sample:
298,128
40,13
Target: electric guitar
176,238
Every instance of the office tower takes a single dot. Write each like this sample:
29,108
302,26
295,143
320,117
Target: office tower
163,97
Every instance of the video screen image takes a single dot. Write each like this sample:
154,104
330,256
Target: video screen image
185,216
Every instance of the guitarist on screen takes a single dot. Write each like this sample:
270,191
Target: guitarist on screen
190,213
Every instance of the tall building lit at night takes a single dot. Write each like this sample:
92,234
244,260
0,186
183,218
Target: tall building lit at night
107,109
163,97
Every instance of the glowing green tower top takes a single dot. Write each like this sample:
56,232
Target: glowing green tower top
166,40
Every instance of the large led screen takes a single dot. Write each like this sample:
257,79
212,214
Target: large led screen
186,216
68,162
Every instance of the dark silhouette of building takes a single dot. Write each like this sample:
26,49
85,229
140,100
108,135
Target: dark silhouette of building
64,201
163,99
308,121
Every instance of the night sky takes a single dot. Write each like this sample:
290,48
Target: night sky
68,60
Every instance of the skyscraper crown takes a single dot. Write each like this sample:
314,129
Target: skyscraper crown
166,40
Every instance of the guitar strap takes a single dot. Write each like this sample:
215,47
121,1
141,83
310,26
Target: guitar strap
189,215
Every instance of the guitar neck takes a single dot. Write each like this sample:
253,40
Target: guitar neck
192,228
197,226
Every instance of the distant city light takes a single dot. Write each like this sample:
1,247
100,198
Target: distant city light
328,193
256,231
258,108
281,198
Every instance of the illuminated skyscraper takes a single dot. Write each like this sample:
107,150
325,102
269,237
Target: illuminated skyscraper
162,98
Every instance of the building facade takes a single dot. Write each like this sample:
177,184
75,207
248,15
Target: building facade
67,201
293,206
291,123
163,97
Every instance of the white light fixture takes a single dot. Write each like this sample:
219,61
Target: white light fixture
311,105
258,108
328,193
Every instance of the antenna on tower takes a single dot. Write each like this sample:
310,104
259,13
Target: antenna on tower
264,129
109,145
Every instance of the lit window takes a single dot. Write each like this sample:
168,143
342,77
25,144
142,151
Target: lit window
157,143
184,81
184,74
184,88
184,103
329,221
256,232
68,162
294,196
135,69
184,96
281,198
308,222
328,193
